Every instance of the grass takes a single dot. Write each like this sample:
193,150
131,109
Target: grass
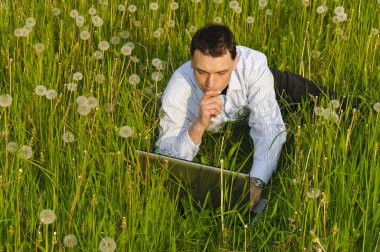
98,189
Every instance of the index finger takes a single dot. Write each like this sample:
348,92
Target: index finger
212,93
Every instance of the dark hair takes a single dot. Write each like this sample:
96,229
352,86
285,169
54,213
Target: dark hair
214,40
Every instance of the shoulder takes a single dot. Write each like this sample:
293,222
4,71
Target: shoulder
250,56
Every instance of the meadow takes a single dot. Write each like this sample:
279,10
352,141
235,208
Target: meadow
80,88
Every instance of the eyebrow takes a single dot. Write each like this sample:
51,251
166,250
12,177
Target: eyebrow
200,69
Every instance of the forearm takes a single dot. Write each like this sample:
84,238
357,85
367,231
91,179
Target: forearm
195,132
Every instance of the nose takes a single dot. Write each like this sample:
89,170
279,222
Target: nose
210,82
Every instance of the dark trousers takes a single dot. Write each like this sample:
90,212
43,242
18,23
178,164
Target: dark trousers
293,89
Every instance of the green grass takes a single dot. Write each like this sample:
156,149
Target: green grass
96,181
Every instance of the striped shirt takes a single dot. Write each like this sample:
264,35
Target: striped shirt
251,89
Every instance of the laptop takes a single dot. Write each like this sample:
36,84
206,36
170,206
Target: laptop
202,183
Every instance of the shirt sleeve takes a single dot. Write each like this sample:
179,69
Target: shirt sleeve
177,112
267,127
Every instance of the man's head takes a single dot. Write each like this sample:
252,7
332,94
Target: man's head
213,56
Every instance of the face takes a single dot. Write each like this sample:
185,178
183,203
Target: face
212,73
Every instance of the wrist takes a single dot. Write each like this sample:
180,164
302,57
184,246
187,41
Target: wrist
196,131
256,182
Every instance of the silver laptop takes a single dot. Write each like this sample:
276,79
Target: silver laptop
202,182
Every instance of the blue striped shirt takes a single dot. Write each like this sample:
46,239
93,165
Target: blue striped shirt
251,89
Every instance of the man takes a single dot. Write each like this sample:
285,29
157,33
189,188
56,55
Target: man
213,87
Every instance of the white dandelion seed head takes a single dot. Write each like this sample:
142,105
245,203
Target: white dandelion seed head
137,23
68,137
51,94
126,50
217,20
103,2
12,147
153,6
156,34
306,3
134,79
174,5
70,241
109,107
269,12
233,4
40,90
334,104
30,22
56,12
126,131
74,13
315,54
157,76
192,29
335,20
338,10
238,9
84,109
249,20
100,78
319,111
72,87
321,9
107,244
82,100
5,100
132,8
375,31
156,62
341,17
125,34
103,45
92,11
47,216
22,32
92,102
97,21
85,35
25,152
79,20
344,37
171,23
263,4
17,32
161,65
39,47
313,193
135,59
121,7
77,76
131,45
376,107
98,55
115,40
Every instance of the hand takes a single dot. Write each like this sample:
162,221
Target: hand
254,196
209,107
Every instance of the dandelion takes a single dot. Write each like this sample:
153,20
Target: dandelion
196,1
51,94
137,23
217,20
40,90
68,137
269,12
84,109
161,65
321,9
115,40
334,104
56,12
192,29
126,50
157,76
85,35
135,59
82,100
132,8
134,79
107,245
233,4
315,54
376,107
97,21
30,22
79,20
153,6
103,45
17,32
74,13
103,2
249,20
130,44
98,55
126,131
100,78
156,34
121,7
25,152
313,193
338,10
318,111
171,23
92,11
375,31
341,17
238,9
335,20
109,107
47,216
11,147
174,5
92,102
72,87
77,76
70,241
156,62
5,100
306,3
263,4
125,34
39,47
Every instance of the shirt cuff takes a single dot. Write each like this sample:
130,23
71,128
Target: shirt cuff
189,146
261,170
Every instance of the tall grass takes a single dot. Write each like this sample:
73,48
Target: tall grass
95,184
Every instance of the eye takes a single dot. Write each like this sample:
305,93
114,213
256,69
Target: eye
222,73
